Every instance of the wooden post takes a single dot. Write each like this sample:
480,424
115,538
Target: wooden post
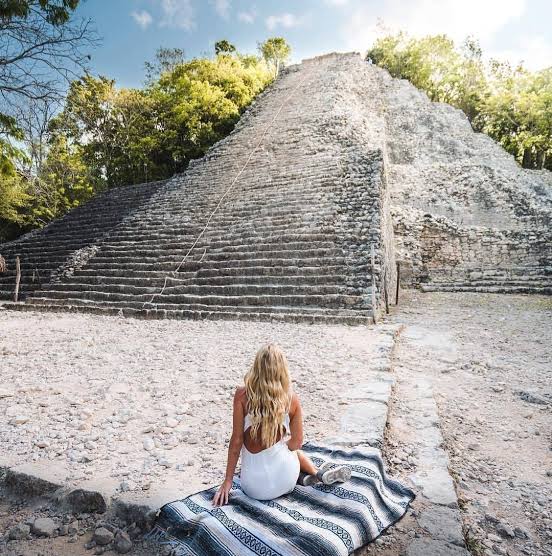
398,283
374,308
17,279
385,292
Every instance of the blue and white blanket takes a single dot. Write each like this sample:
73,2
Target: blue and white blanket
318,521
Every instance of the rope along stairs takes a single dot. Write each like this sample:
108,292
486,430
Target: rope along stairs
229,188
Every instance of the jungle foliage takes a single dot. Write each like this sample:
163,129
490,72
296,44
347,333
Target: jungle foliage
101,135
511,104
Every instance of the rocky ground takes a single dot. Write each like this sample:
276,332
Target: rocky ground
488,358
38,529
141,410
131,402
485,357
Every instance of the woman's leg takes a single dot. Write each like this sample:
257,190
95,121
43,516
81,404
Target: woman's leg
306,464
310,475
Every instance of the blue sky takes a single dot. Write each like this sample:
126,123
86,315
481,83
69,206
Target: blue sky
132,30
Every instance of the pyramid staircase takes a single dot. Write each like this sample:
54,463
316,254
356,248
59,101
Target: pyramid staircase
45,253
276,222
279,220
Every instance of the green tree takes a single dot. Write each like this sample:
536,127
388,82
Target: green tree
63,183
13,205
56,12
518,114
130,136
42,48
200,102
275,51
106,136
224,47
166,60
514,106
9,154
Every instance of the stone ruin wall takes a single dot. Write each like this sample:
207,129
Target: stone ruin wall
463,209
439,251
363,218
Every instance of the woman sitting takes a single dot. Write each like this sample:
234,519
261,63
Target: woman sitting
268,431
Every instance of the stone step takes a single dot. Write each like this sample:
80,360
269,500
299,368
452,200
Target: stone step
504,288
44,258
176,288
103,267
541,280
44,268
217,255
26,283
148,231
330,317
241,229
195,279
283,203
219,242
183,249
156,304
261,300
270,271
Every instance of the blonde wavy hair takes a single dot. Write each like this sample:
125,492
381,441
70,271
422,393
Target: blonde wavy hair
268,388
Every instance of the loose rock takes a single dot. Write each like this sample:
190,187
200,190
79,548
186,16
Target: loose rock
43,527
19,532
123,544
102,536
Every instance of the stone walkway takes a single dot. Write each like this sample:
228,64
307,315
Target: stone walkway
487,360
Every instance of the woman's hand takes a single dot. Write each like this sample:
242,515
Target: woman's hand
221,497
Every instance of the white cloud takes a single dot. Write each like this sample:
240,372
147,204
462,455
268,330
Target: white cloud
143,18
222,7
285,20
177,13
248,17
422,17
337,2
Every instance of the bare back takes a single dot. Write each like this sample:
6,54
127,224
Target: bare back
253,444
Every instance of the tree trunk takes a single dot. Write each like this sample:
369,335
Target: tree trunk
527,161
541,157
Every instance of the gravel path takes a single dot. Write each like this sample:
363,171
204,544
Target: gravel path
139,405
489,358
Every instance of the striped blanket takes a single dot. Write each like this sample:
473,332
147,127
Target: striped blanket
320,520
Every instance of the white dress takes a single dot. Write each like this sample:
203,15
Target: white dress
270,473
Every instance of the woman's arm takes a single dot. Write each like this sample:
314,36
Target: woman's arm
295,424
234,449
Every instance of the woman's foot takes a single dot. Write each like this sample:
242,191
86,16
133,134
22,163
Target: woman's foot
327,474
309,480
331,475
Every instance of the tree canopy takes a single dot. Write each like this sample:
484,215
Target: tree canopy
224,47
275,51
512,105
105,136
43,48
